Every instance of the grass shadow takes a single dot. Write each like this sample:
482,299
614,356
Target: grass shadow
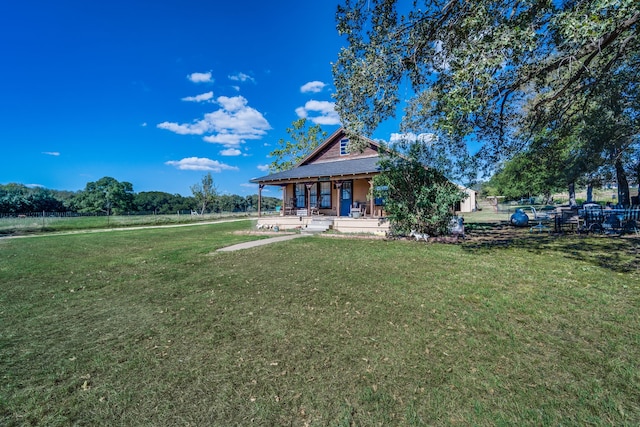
613,252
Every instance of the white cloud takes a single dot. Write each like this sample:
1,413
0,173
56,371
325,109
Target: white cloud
301,112
51,153
144,125
230,152
312,87
263,168
232,104
226,139
426,138
233,124
200,164
196,128
200,77
241,77
326,113
199,98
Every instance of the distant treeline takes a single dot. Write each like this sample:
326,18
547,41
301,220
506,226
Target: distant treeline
119,199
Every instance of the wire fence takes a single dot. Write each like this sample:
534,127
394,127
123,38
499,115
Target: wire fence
31,222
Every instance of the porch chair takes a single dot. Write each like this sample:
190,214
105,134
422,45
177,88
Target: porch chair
315,209
290,207
359,209
543,219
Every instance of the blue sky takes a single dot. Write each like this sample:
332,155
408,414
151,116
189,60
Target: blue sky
158,93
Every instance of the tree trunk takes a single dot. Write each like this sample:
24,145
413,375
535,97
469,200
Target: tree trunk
572,195
623,185
589,193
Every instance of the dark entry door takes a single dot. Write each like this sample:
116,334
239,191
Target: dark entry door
346,198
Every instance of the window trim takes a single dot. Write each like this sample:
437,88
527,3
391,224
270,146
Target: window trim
344,147
323,195
316,189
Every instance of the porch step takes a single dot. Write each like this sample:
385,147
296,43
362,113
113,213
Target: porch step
318,226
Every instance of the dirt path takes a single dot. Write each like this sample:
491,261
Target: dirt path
107,230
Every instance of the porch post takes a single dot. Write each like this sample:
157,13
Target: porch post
260,187
371,199
284,199
338,187
308,185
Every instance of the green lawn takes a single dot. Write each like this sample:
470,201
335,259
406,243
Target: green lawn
152,327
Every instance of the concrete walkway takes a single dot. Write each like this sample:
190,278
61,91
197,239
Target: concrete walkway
255,243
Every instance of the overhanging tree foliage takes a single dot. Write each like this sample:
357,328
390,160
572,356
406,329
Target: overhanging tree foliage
304,139
417,198
494,69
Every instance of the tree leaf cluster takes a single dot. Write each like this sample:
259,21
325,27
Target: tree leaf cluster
416,198
304,138
18,198
501,71
106,195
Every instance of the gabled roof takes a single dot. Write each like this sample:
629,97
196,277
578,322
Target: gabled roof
314,166
331,140
340,168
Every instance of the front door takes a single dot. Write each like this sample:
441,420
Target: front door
346,198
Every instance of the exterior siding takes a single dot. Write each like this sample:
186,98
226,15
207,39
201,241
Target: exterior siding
361,189
331,153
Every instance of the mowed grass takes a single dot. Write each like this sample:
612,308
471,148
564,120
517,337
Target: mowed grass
152,327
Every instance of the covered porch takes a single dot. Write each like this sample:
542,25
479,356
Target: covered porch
338,189
344,205
351,198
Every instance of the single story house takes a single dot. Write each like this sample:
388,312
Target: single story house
333,182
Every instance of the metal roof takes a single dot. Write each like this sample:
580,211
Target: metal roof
361,166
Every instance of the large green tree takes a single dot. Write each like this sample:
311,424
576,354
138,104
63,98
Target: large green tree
528,175
611,128
492,69
304,138
160,202
106,195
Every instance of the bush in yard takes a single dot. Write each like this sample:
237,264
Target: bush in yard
416,197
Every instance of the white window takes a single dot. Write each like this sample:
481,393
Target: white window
344,147
325,194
